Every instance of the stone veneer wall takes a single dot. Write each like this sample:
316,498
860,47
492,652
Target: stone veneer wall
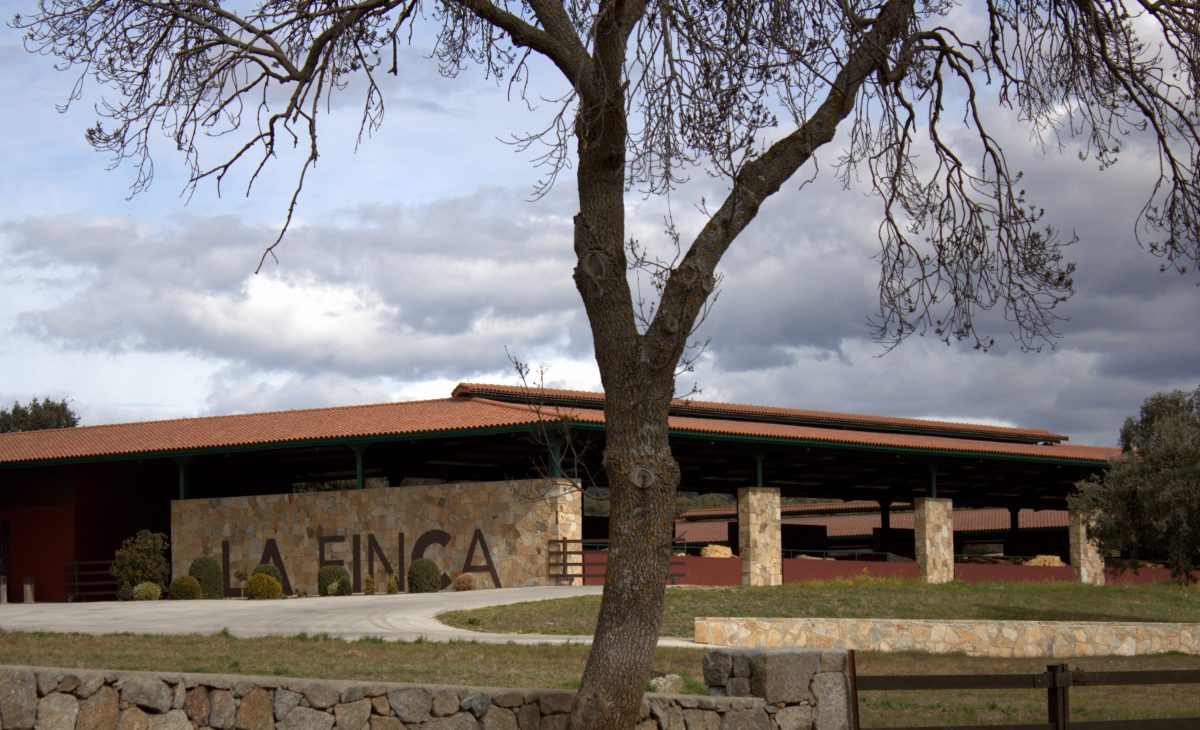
797,691
759,537
933,523
370,530
1060,639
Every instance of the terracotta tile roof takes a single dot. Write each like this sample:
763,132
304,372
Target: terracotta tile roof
279,427
754,430
591,399
460,412
861,524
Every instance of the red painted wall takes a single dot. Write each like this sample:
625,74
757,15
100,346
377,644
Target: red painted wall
984,573
43,541
800,571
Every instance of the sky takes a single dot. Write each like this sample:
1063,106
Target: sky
419,259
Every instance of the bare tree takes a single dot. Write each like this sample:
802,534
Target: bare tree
747,90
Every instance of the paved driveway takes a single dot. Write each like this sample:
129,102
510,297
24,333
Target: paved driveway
398,617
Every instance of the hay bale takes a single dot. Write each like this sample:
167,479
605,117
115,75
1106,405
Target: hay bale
715,551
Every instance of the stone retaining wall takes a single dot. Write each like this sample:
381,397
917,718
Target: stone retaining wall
797,690
1059,639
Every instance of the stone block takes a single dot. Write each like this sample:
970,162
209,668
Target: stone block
57,711
148,693
477,704
701,720
134,719
196,706
553,702
381,706
529,717
223,709
445,703
457,721
833,701
18,699
554,722
499,718
286,700
47,681
172,720
718,667
411,705
386,723
783,676
748,719
738,687
795,717
100,711
306,718
89,685
352,715
509,699
667,684
256,713
321,696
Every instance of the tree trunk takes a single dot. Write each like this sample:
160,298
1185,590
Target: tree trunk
643,476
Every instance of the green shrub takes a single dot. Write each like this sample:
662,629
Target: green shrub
142,558
125,592
463,582
333,580
262,587
393,585
268,569
207,571
369,586
424,576
184,588
147,591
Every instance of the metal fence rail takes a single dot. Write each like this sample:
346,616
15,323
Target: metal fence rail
90,580
568,561
1057,680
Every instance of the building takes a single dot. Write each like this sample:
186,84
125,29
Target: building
71,496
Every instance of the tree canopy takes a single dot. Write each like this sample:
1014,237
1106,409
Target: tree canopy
659,90
37,415
1148,504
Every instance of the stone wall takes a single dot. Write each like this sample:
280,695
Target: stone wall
1059,639
496,530
795,691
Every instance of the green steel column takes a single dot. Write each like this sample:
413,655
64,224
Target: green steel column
555,439
759,456
182,462
360,480
933,480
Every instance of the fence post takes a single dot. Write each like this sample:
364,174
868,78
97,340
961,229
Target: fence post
1058,696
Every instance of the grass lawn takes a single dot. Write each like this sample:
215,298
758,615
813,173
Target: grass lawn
511,665
862,598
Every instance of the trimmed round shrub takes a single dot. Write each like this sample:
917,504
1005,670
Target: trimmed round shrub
268,569
262,587
369,585
207,571
424,576
184,588
463,582
333,580
393,585
147,591
125,592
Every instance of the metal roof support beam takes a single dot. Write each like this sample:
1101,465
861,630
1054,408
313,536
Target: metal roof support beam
360,479
182,462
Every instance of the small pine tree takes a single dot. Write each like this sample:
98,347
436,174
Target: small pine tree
393,585
369,585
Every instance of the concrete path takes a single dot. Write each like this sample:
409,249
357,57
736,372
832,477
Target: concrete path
404,616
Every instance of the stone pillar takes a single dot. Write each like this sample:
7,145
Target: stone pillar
758,536
934,528
1086,561
28,598
3,589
